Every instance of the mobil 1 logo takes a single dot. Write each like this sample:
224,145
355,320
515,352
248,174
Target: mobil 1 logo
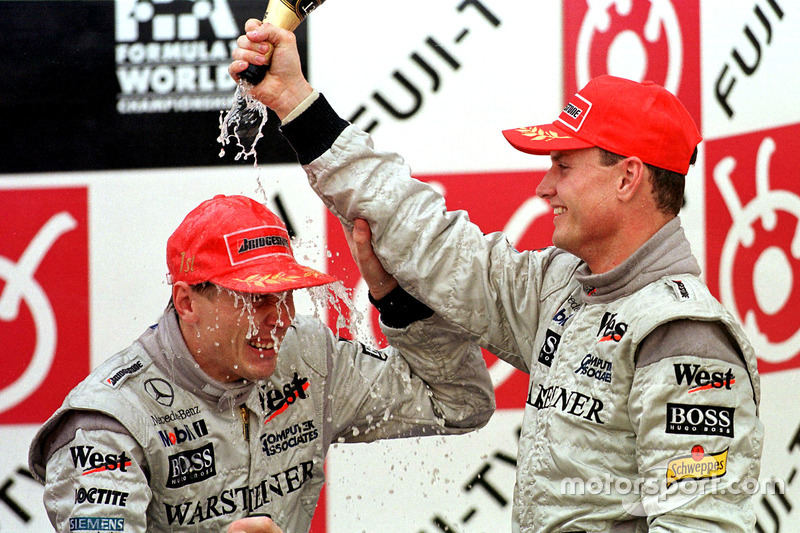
687,419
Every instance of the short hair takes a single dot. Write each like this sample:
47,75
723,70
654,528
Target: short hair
668,186
206,288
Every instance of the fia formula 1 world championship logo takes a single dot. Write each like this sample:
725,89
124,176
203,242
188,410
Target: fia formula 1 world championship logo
43,300
754,261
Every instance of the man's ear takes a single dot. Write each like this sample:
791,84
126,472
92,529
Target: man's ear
633,177
183,298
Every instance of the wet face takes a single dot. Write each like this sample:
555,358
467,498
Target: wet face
582,193
237,335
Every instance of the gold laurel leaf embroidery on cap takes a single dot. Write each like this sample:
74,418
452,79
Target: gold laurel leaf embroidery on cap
538,134
262,280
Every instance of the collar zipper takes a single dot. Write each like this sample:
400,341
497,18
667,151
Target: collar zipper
245,414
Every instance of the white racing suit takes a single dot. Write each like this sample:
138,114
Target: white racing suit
642,407
193,454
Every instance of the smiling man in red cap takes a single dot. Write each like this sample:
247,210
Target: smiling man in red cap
642,404
226,407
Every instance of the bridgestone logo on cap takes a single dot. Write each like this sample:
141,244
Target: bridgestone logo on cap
262,242
255,243
575,112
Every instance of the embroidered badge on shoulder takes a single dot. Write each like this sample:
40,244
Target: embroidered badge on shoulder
680,289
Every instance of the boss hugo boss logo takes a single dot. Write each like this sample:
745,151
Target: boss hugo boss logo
714,420
191,466
698,379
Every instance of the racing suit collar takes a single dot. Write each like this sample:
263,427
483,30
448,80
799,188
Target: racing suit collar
668,252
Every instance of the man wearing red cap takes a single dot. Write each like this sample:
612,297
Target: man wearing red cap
642,406
226,407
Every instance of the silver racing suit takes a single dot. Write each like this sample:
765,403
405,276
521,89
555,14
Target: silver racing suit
642,406
149,443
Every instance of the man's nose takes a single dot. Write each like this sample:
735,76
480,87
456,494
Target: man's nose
545,188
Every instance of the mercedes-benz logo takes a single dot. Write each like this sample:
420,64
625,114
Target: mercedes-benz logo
160,390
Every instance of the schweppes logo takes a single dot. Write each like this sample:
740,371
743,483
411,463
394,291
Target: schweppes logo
698,465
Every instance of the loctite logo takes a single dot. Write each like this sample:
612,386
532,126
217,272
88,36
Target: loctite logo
698,379
92,462
183,434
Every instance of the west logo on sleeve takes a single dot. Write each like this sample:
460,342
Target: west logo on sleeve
698,379
91,462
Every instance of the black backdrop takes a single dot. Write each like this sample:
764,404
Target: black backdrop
59,86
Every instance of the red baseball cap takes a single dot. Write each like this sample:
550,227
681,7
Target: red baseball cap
237,243
622,116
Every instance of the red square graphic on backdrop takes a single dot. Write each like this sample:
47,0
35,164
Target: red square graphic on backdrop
753,238
656,40
504,202
44,300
